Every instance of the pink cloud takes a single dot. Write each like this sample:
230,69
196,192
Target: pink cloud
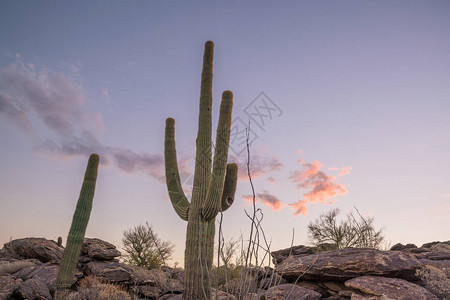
320,186
299,207
265,197
345,171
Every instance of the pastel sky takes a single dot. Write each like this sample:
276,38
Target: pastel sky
348,101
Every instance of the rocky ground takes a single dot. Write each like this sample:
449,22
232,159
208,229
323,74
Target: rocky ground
29,267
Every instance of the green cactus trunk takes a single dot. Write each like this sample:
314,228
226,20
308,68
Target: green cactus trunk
214,184
77,230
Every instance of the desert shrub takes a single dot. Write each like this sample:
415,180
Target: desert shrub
144,248
91,288
435,281
355,231
14,266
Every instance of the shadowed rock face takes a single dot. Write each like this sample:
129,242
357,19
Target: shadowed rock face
98,249
290,291
389,288
280,255
349,263
39,248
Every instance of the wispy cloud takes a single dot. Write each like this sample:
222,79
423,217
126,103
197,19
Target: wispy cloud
320,186
260,165
30,98
345,171
267,198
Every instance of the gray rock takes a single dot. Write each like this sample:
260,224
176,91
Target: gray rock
7,284
32,289
45,273
434,255
314,286
291,292
280,255
428,245
340,265
39,248
98,249
443,265
109,271
389,288
401,247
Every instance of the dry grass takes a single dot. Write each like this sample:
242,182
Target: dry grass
13,267
435,281
92,288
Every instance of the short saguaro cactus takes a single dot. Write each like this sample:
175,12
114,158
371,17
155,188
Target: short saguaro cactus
77,230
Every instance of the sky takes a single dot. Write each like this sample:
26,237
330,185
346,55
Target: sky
348,104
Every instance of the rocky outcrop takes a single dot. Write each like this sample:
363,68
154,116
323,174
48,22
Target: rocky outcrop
99,250
407,272
389,288
370,274
349,263
31,289
109,271
42,249
280,255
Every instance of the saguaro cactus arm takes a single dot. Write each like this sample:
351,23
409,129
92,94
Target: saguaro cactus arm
77,229
176,194
229,188
212,203
203,143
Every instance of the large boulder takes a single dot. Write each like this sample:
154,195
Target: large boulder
45,273
39,248
443,265
349,263
280,255
153,283
109,271
389,288
32,289
401,247
7,284
98,249
290,291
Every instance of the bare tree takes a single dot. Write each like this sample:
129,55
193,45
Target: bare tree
228,251
144,248
355,231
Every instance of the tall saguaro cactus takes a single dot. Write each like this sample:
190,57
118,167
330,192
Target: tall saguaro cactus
214,184
77,230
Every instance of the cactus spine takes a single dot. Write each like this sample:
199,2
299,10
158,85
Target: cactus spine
214,184
77,230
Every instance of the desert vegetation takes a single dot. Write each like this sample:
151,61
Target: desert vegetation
343,262
143,247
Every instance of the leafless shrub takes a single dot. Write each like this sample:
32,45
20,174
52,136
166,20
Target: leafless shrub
356,231
144,248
